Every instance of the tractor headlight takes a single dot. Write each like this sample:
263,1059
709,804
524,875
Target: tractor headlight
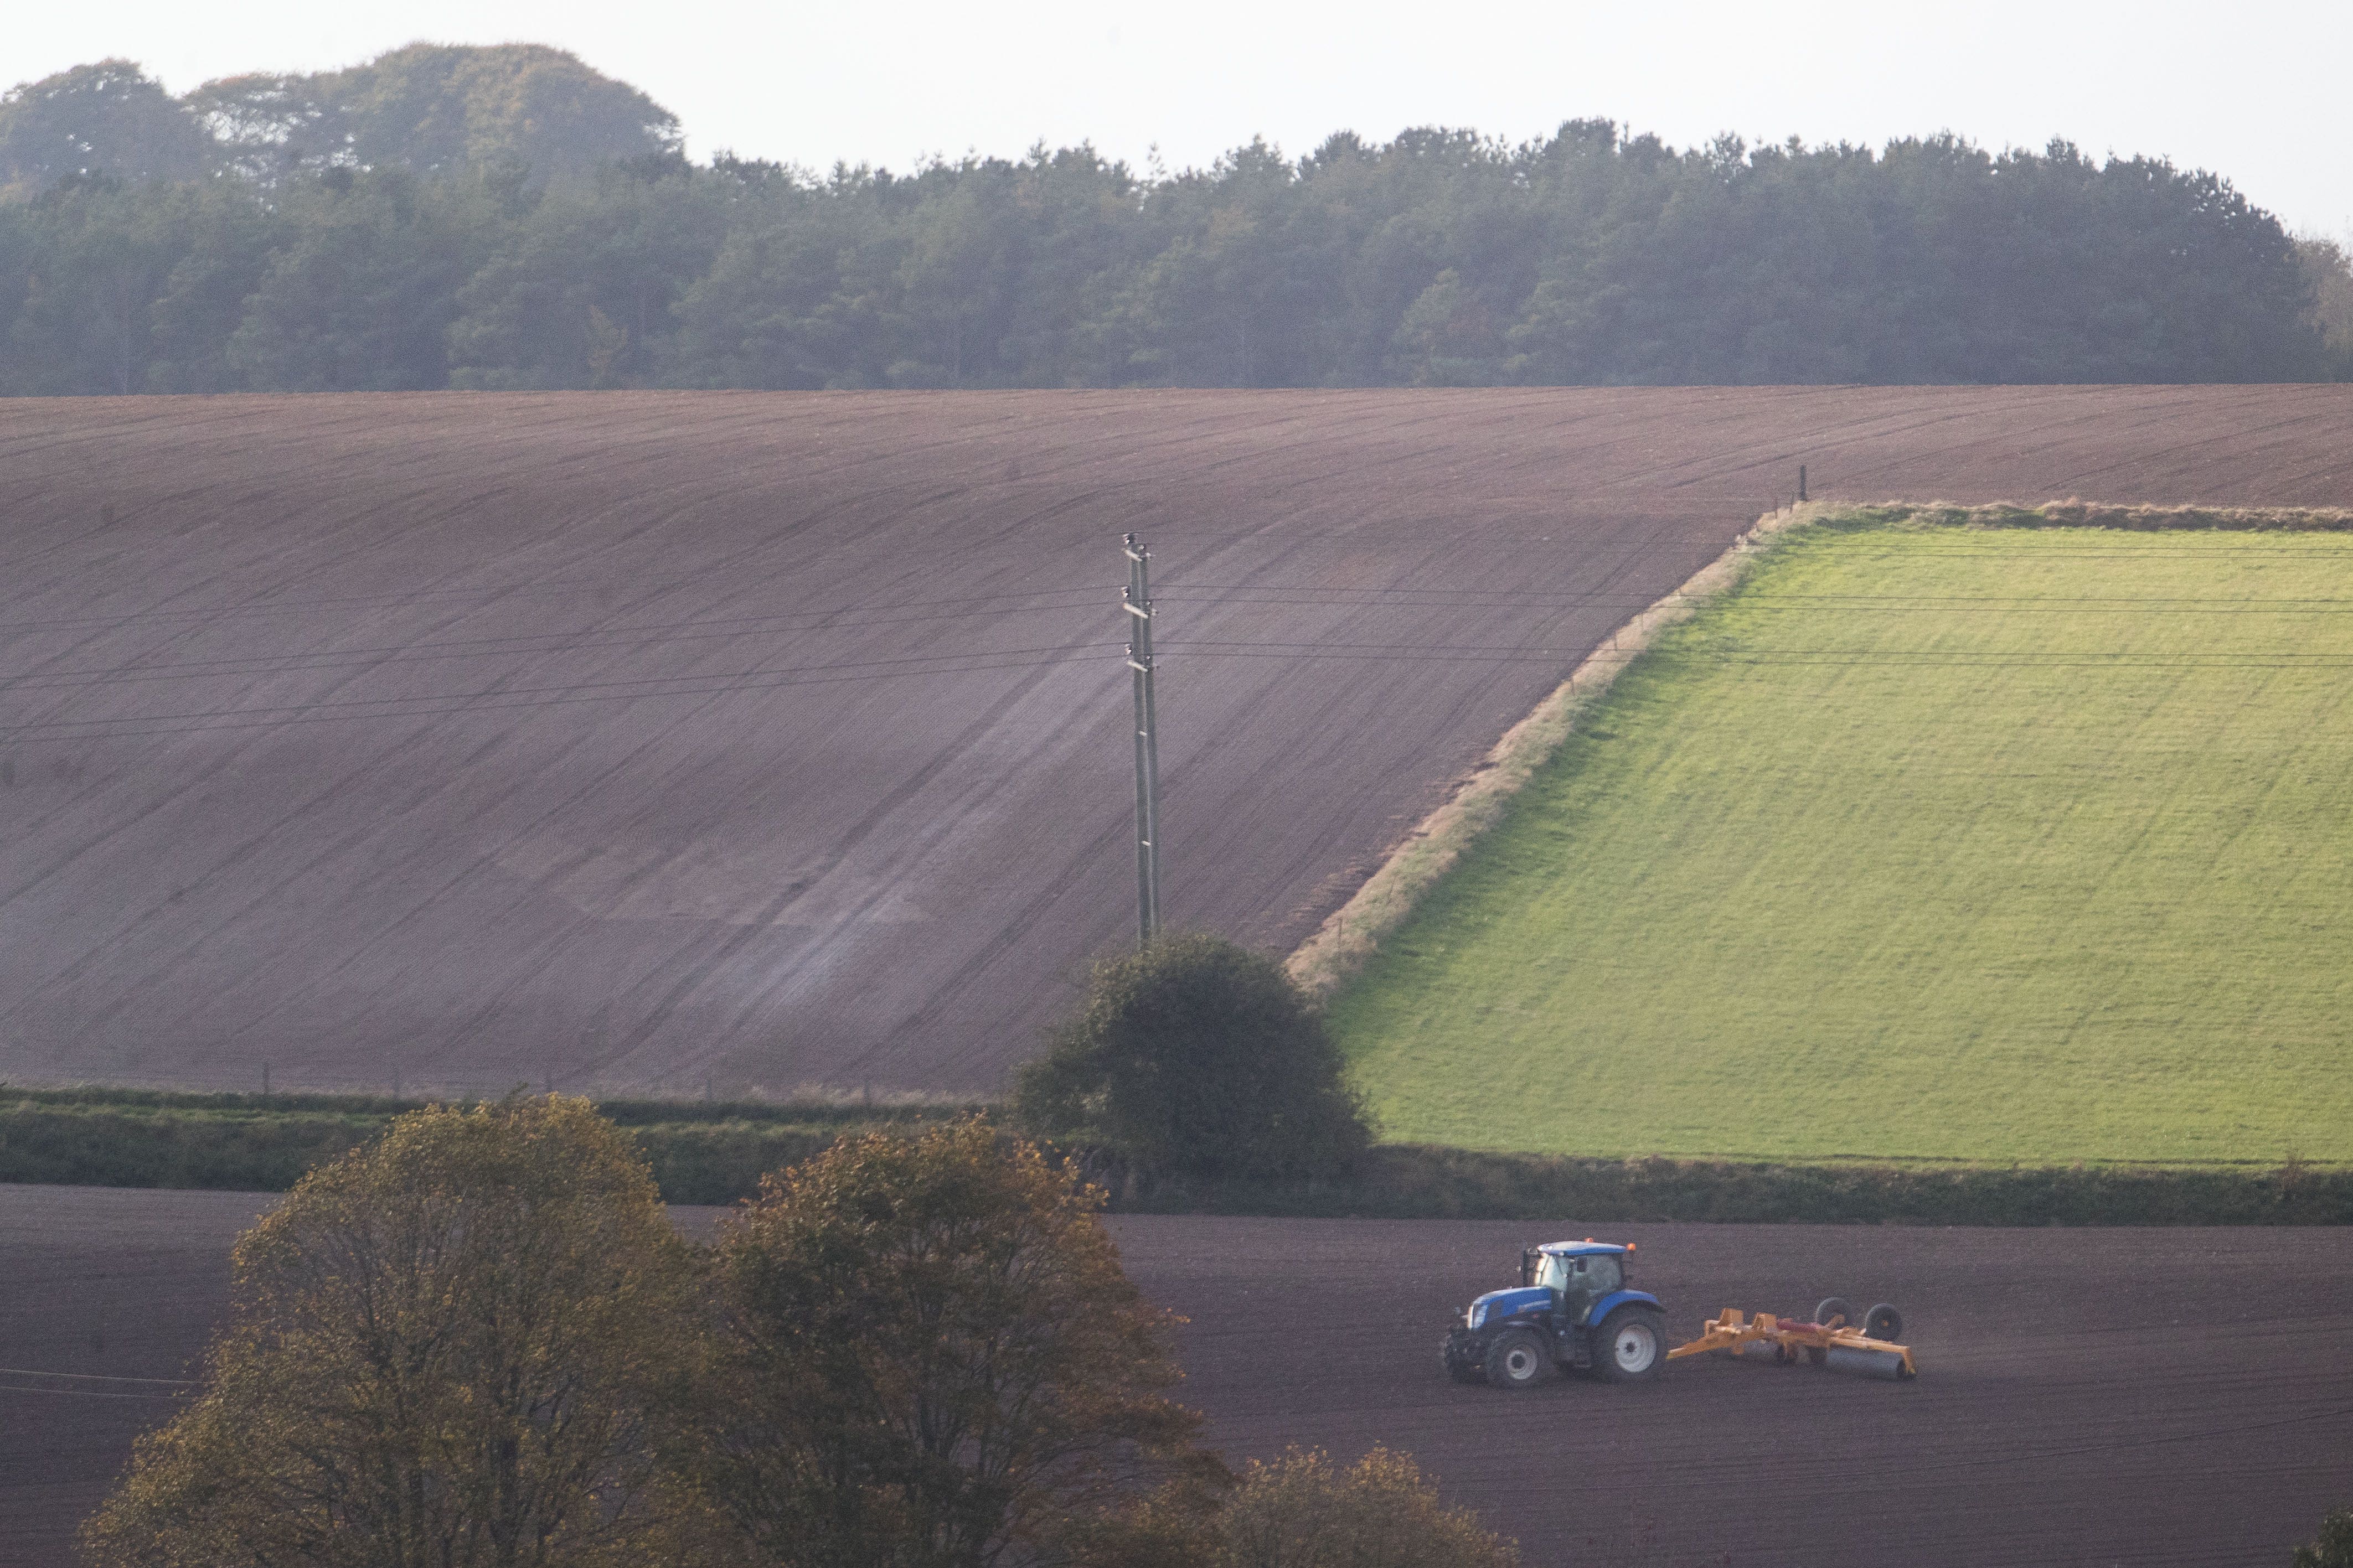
1474,1314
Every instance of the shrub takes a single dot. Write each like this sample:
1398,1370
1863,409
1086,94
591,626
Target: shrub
1304,1511
1196,1056
2334,1549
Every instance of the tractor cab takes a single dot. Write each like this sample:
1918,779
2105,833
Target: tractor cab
1579,1274
1572,1309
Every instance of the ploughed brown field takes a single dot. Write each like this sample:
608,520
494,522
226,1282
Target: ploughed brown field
2097,1398
641,741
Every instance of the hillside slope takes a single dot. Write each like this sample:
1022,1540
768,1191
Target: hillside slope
633,740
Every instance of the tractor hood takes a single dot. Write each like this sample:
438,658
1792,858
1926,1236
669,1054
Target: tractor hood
1499,1304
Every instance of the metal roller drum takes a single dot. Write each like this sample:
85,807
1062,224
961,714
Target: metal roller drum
1868,1363
1759,1349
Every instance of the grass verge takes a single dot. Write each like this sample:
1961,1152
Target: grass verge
1353,933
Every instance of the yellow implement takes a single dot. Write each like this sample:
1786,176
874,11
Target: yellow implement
1832,1344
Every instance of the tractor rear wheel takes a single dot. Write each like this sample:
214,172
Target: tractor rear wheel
1632,1345
1518,1359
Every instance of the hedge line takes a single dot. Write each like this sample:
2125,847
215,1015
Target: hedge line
701,1153
1424,1181
127,1139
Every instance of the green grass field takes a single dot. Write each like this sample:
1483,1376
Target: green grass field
1925,843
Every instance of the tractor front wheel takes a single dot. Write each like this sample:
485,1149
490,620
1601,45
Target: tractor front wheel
1632,1345
1518,1359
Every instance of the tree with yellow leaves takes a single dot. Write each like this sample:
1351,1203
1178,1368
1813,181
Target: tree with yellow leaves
444,1349
927,1356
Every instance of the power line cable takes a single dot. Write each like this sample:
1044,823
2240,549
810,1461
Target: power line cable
406,653
628,637
460,704
402,602
94,1376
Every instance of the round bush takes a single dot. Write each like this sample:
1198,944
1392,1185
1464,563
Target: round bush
1196,1056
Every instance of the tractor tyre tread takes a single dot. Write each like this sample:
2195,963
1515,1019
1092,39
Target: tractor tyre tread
1607,1363
1521,1351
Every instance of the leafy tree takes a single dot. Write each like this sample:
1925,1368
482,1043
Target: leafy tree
1448,336
797,296
270,126
442,108
227,239
962,273
580,290
1233,299
436,109
1197,1057
2329,273
108,119
440,1353
94,256
1304,1511
2334,1547
927,1355
363,296
1089,237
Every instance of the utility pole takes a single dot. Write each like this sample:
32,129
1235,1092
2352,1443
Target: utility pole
1138,605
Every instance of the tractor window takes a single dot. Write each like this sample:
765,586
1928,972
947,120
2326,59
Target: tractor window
1586,1278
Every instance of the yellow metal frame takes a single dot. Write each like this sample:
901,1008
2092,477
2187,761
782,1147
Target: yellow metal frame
1731,1330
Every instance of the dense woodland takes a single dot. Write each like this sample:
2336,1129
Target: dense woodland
506,217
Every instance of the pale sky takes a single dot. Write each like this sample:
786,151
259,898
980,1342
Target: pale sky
2254,90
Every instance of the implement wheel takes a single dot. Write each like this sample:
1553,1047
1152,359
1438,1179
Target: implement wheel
1837,1307
1518,1359
1884,1322
1632,1345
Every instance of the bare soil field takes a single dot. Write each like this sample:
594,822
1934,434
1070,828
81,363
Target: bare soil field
2085,1397
646,741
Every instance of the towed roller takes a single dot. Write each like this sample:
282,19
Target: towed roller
1892,1364
1826,1342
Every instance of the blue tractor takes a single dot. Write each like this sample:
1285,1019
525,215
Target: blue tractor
1571,1310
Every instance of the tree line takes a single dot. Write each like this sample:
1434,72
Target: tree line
508,218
